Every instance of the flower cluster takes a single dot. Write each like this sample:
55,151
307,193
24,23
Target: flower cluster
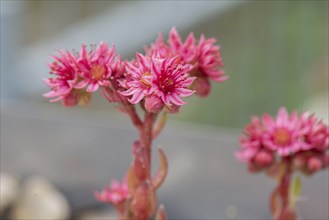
116,194
302,139
78,75
157,80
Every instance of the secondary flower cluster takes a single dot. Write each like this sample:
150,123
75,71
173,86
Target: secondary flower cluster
302,139
158,79
135,196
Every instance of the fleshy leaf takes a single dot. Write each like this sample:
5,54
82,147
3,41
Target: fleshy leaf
132,180
161,213
162,171
275,203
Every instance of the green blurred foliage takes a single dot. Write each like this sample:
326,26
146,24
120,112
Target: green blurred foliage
270,49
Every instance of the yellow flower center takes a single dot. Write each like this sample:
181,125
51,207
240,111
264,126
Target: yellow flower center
281,137
97,72
144,81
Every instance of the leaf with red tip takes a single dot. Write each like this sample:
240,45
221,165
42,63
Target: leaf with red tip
162,171
275,203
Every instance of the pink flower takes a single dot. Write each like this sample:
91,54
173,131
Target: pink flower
94,67
138,81
164,78
64,69
171,81
187,51
159,49
116,194
251,141
253,152
284,133
210,60
317,133
300,139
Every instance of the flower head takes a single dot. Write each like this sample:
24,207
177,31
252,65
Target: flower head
116,194
94,67
163,78
64,70
210,60
138,82
171,81
301,139
316,132
283,134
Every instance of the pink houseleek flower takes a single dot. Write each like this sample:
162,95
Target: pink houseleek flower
317,133
164,78
288,136
94,67
64,70
116,194
283,135
171,81
138,81
187,51
210,60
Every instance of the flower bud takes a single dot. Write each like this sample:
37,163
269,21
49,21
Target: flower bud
202,86
314,164
70,100
153,104
263,158
173,108
298,162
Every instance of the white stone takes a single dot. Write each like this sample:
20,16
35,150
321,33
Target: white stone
40,200
8,191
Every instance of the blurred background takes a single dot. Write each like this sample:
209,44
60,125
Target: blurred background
275,53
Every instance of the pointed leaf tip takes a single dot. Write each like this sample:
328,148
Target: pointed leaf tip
162,171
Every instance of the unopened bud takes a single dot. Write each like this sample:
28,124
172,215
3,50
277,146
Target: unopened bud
153,104
264,158
173,108
202,86
314,164
70,100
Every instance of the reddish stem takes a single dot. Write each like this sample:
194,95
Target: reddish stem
279,200
146,136
134,117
